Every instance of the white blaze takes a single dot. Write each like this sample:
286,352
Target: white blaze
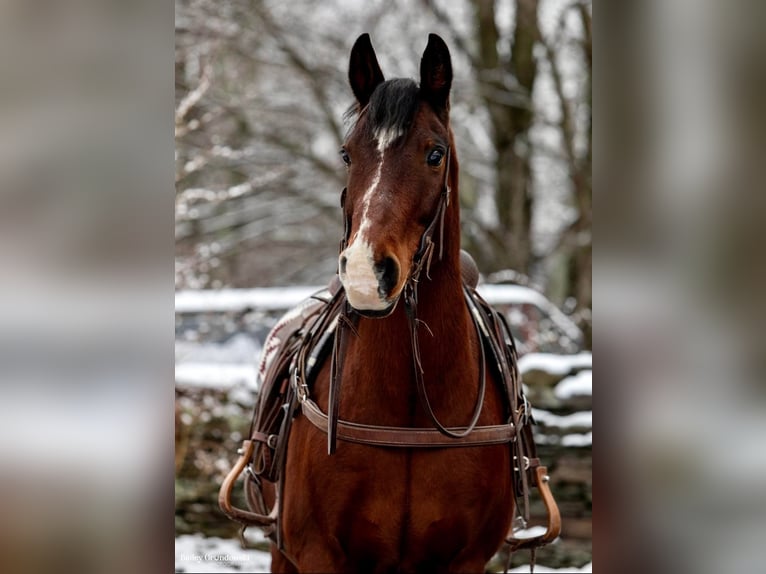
385,138
359,279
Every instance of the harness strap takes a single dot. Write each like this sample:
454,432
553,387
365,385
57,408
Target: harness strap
407,437
422,257
410,302
336,374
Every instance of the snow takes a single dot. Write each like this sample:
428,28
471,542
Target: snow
239,348
218,365
194,553
577,440
572,440
217,375
542,569
555,364
267,298
519,295
507,294
579,384
578,419
276,298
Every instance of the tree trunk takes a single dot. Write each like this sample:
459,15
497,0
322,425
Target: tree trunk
511,113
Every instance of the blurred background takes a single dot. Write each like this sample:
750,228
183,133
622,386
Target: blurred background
261,91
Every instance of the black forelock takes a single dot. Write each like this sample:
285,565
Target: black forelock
392,106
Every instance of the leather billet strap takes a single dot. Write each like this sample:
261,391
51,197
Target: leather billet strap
406,437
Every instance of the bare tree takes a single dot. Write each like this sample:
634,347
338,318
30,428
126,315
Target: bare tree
506,84
574,249
253,187
261,91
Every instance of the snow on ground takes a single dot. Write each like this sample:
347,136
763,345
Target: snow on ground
555,364
578,419
572,440
505,294
579,384
195,553
542,569
267,298
219,375
582,419
520,295
577,440
276,298
239,348
283,298
218,365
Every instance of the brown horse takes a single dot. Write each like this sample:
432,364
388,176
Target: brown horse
376,509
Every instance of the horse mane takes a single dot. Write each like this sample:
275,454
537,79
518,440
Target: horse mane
391,109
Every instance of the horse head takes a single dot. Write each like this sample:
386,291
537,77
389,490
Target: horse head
397,155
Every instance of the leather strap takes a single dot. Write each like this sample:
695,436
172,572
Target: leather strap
411,305
336,378
406,437
423,255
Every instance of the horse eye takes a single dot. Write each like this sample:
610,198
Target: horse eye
345,157
435,157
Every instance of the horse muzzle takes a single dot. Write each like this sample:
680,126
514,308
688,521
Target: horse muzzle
370,283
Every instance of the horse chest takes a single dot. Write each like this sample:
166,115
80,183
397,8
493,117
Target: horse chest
404,507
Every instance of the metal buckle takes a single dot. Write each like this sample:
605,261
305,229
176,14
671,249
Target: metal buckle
271,441
526,462
525,411
301,388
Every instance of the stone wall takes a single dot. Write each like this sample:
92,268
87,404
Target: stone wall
210,422
559,388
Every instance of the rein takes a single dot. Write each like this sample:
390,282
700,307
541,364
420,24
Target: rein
423,256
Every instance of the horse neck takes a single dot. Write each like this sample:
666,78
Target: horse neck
440,290
441,306
383,381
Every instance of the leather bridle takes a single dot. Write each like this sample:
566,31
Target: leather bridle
397,436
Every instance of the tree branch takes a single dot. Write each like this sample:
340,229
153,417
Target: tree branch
308,73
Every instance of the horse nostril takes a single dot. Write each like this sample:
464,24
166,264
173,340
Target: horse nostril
342,266
387,272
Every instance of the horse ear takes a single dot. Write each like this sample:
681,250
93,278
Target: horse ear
364,73
436,73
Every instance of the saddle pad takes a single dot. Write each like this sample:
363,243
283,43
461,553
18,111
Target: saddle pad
291,322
